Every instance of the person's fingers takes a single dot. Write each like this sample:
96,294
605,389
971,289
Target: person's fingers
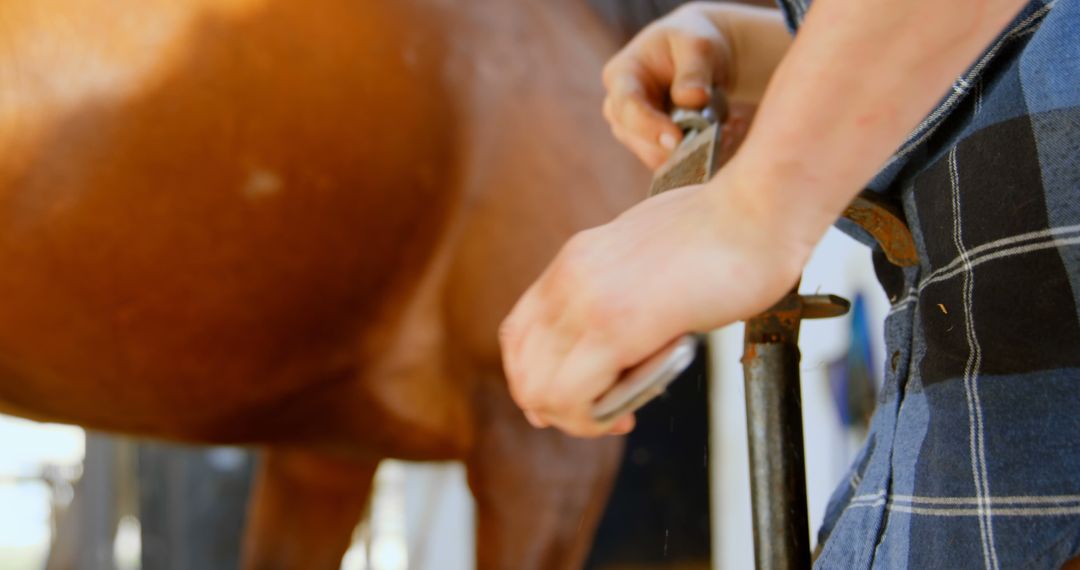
647,152
539,358
623,425
630,108
555,359
522,327
568,423
536,337
513,331
535,420
694,61
586,371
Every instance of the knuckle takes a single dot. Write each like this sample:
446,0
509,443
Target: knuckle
602,313
613,106
606,110
559,283
696,45
620,64
656,29
598,308
576,260
509,332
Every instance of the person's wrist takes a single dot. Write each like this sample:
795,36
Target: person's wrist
777,199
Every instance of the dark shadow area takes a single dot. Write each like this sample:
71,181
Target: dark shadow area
658,515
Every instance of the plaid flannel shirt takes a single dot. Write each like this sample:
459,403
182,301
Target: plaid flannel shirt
973,455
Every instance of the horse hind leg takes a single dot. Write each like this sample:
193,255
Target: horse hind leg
304,507
539,493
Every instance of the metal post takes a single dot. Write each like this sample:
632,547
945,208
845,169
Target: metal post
774,428
777,467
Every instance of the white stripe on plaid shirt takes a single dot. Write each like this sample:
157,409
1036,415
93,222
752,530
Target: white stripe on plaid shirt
1051,505
971,374
1043,239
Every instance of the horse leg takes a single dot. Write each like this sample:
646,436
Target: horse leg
304,508
539,493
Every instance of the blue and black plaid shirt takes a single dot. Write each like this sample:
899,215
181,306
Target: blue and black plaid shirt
973,456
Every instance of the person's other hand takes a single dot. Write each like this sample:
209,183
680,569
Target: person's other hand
690,259
678,58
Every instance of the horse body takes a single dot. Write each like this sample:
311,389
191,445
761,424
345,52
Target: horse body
298,225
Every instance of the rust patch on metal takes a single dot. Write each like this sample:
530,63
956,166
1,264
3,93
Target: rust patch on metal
780,323
886,224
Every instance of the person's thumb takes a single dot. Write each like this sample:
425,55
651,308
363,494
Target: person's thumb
693,81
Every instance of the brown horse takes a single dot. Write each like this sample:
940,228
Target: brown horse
298,224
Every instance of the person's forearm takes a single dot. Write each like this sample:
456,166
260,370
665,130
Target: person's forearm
756,39
858,79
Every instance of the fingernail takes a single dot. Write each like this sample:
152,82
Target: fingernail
623,425
668,141
534,420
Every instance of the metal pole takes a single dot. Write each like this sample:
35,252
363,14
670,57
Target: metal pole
774,428
777,467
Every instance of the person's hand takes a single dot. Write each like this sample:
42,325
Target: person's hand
690,259
680,58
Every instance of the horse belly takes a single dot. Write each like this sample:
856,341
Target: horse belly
215,229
